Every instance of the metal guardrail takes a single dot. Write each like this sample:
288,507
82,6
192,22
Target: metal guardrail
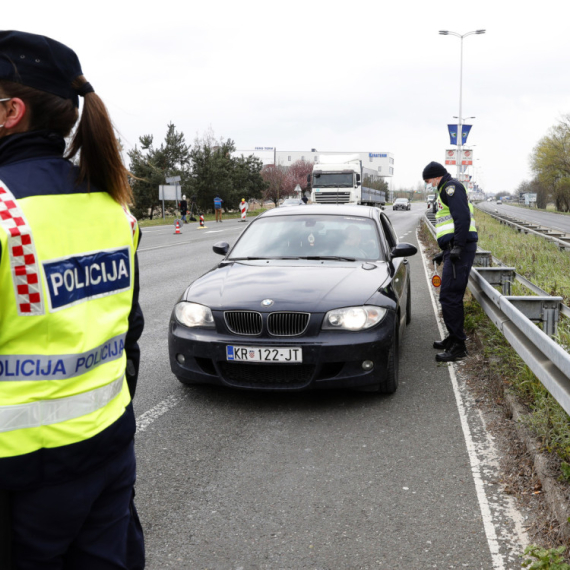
514,317
561,239
547,233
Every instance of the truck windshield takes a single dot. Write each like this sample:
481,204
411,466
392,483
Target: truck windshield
333,180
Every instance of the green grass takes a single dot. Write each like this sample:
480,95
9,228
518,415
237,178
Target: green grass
535,258
169,220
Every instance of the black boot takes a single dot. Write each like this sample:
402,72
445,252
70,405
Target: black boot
443,344
455,352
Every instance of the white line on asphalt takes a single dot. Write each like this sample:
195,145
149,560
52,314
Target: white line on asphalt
490,531
144,420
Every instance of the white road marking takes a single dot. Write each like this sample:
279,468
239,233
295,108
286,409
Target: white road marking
483,459
144,420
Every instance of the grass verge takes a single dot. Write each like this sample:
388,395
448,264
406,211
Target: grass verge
169,220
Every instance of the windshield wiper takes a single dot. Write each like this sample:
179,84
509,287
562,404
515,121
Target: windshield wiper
328,257
260,258
249,258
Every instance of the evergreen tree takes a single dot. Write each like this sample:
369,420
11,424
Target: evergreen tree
151,166
216,172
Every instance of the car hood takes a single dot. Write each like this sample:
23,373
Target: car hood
313,287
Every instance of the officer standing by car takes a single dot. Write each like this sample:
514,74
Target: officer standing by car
457,237
69,320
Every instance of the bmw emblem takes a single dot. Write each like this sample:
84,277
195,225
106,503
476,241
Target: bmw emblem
267,302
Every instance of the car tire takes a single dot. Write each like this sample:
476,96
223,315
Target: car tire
409,304
390,385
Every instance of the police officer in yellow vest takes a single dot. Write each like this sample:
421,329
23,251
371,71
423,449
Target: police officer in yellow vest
69,320
457,237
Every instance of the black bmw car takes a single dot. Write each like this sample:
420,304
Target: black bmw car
307,298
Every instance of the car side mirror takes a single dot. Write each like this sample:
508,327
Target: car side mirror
221,248
404,250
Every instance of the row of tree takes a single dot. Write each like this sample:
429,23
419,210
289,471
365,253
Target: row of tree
206,169
550,162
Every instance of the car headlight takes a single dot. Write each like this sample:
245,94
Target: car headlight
353,318
193,315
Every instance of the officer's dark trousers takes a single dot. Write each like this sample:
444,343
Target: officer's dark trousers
86,524
453,290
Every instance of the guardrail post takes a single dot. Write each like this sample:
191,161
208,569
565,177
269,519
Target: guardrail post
545,310
506,284
550,321
483,258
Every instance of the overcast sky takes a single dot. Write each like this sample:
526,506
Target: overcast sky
349,76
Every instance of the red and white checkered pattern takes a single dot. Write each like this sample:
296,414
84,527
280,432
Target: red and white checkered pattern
132,221
22,254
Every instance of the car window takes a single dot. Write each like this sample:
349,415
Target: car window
389,231
310,236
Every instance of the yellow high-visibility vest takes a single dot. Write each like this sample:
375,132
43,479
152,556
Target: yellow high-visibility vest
66,290
444,222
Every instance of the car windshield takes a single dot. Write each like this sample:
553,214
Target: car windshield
309,237
402,201
333,180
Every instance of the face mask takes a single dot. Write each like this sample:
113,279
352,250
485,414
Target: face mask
1,101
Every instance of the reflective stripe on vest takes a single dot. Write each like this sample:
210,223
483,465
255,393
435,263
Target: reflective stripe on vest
47,412
29,367
22,254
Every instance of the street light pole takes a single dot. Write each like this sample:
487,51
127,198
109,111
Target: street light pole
459,119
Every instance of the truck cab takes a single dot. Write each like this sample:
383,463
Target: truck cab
337,179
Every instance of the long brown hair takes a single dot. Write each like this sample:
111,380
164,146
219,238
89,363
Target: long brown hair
100,161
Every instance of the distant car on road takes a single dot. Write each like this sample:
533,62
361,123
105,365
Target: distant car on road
402,204
308,298
499,201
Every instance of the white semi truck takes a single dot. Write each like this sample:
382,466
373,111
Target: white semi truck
337,179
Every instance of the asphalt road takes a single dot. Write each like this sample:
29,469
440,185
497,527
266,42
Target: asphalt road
339,480
548,219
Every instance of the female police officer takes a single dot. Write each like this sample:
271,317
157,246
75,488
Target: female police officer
69,318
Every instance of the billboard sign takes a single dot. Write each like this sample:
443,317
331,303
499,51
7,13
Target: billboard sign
450,157
169,192
529,198
467,157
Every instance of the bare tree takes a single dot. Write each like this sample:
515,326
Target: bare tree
275,179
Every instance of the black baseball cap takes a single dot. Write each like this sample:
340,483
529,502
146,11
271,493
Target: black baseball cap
39,62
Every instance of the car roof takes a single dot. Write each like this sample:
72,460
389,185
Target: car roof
329,209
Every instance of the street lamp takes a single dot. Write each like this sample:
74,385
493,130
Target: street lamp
459,118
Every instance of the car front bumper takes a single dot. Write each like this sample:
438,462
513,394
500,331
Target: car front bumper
332,359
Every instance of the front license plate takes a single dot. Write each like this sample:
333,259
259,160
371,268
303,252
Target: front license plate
260,354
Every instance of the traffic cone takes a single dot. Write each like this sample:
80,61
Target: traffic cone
177,230
201,226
